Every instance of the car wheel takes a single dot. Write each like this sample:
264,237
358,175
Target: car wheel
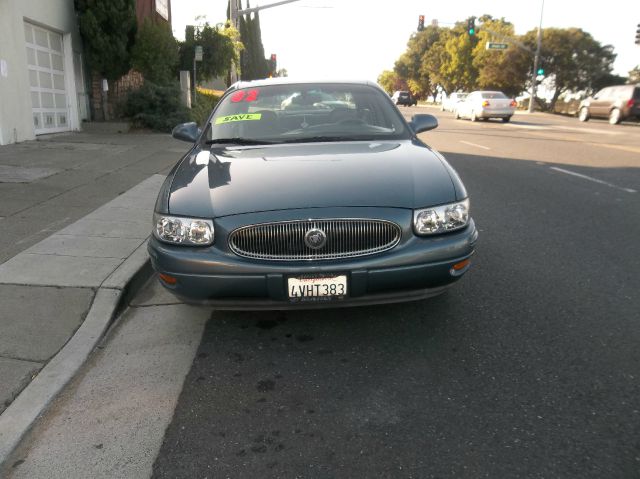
473,116
457,115
506,119
614,116
583,115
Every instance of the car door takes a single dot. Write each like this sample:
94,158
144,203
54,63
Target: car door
601,101
464,107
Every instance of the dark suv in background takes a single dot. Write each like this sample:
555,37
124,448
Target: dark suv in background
616,103
404,98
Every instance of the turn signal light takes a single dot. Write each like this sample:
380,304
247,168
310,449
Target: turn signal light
630,103
513,103
460,268
461,264
170,280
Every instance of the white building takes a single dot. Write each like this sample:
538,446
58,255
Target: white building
42,84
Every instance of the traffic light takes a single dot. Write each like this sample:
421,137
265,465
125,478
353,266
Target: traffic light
471,26
540,71
638,35
421,23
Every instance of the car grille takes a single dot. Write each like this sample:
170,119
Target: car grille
345,238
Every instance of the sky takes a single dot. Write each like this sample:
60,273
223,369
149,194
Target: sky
358,39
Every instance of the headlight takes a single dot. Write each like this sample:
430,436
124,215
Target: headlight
186,231
440,219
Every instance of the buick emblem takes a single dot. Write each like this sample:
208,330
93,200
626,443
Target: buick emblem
315,238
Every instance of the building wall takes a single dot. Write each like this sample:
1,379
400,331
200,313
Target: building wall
150,8
16,121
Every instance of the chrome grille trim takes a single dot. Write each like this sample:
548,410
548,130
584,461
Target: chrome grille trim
284,240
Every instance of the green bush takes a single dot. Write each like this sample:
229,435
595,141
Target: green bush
155,53
156,107
202,108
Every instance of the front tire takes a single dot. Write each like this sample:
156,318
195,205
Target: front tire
615,117
583,115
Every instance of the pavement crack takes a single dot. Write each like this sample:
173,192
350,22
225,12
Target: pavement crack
18,358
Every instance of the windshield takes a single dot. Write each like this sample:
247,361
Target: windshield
493,94
308,112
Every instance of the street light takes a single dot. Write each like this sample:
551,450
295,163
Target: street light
536,60
234,12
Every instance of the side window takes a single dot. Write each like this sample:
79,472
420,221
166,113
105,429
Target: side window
625,92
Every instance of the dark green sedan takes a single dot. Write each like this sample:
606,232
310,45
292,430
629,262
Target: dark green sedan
331,200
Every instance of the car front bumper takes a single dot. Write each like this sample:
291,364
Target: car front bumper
415,269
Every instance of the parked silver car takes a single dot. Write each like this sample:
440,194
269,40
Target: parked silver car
451,102
486,104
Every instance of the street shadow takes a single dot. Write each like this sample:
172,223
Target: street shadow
536,341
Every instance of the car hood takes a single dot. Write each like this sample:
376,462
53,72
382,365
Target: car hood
235,180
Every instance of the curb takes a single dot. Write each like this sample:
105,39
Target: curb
110,299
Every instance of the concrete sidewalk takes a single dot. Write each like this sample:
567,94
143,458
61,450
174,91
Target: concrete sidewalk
58,295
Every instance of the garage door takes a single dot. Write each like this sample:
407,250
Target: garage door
45,62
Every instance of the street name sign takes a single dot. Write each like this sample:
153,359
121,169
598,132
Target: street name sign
497,46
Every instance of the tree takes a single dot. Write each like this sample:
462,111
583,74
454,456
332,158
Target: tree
410,67
155,53
254,65
391,82
504,70
108,29
634,75
219,47
572,59
449,62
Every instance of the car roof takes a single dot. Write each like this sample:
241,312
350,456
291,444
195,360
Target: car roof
293,81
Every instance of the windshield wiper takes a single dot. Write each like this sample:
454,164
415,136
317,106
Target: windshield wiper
238,141
318,139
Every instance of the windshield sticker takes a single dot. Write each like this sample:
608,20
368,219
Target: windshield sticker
252,96
242,117
237,97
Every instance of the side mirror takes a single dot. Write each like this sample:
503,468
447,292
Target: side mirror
422,122
186,132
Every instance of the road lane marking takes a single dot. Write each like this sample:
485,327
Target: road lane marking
528,127
595,180
590,130
475,144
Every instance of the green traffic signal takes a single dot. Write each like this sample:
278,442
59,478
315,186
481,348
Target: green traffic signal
540,71
471,26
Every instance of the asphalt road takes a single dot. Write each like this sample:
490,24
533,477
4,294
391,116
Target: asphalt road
529,367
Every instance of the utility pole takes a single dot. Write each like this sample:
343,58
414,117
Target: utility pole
536,60
234,12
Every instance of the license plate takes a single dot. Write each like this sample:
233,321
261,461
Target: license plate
317,287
